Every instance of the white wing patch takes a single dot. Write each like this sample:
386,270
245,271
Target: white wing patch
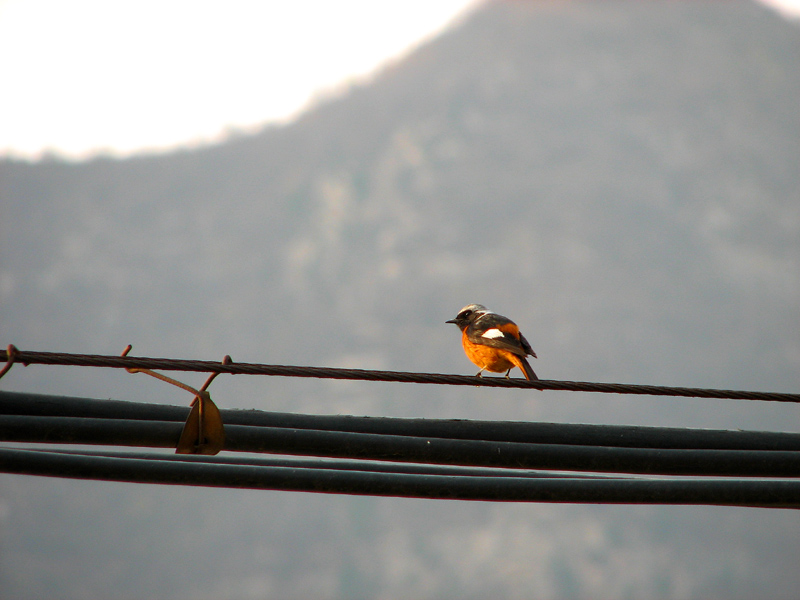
492,333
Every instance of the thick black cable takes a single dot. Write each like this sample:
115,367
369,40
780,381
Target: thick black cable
19,403
128,362
325,463
336,444
777,494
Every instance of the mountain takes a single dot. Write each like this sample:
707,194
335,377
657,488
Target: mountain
619,178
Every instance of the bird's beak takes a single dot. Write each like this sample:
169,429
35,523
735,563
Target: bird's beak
451,321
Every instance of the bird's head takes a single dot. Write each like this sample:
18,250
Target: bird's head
468,314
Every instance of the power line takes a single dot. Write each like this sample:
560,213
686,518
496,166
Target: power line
621,436
382,456
293,462
414,449
760,493
338,444
165,364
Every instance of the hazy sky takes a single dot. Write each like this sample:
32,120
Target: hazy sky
82,76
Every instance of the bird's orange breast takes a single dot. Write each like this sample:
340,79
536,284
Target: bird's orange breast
492,359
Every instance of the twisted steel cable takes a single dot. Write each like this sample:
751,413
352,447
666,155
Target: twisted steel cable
167,364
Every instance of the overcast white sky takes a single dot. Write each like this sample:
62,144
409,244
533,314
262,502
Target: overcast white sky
82,76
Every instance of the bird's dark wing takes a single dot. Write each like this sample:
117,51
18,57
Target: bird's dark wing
526,346
498,332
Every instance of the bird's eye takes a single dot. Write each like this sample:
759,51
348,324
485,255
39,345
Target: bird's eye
466,314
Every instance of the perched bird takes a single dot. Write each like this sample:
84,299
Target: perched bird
493,342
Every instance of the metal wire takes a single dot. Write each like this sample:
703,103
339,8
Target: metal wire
128,362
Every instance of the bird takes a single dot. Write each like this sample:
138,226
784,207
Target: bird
493,342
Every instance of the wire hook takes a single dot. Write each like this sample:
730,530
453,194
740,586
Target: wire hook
11,354
152,373
203,432
226,360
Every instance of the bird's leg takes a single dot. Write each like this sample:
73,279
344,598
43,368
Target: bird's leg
508,373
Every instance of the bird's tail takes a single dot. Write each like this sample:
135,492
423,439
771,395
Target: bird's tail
525,367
